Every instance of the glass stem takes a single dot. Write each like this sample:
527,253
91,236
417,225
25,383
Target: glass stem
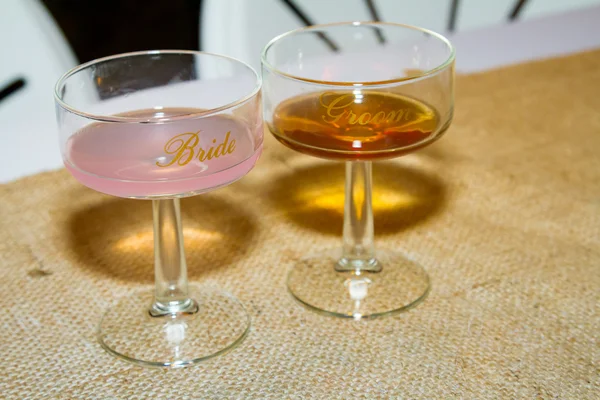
170,269
358,253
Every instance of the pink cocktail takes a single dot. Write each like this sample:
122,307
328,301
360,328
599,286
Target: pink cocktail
161,125
162,160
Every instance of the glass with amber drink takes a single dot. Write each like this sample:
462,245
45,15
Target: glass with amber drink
358,92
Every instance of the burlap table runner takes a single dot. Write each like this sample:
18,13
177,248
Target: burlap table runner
504,213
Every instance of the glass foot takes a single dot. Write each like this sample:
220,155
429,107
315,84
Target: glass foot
129,331
399,285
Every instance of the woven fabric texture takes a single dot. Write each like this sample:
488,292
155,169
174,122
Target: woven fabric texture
503,212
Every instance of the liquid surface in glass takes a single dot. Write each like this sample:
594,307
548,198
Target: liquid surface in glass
357,124
145,160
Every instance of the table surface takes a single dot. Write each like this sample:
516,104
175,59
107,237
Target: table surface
477,50
503,213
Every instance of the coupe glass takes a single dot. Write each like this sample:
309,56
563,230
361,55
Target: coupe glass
358,92
159,126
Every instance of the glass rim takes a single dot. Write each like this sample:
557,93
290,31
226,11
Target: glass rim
389,82
113,118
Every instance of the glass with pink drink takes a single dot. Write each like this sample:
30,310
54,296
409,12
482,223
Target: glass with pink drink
161,125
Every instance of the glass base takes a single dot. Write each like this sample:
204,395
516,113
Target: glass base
129,331
399,285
